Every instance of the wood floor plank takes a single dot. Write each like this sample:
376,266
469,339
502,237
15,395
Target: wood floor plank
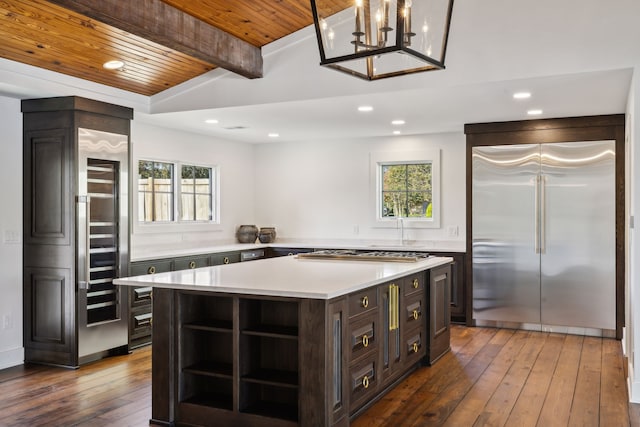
585,410
557,404
475,400
529,404
613,397
499,407
445,403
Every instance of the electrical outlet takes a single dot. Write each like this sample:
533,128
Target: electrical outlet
452,231
356,229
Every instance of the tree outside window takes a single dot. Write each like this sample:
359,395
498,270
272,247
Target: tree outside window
407,190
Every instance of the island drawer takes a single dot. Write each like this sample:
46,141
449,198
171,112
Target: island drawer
414,346
363,301
363,382
362,336
414,284
414,311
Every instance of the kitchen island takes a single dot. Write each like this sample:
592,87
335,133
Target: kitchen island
291,341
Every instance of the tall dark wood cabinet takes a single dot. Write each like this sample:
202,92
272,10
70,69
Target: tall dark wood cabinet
60,292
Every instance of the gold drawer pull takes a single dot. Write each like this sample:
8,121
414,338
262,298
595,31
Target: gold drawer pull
365,381
192,264
365,340
416,283
365,301
225,260
151,270
415,347
416,314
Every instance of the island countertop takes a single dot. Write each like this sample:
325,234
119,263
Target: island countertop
286,276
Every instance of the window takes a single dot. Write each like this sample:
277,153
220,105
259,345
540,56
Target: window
195,192
187,195
407,185
406,190
155,191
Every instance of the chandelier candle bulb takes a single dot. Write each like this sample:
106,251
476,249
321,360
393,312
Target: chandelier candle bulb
358,32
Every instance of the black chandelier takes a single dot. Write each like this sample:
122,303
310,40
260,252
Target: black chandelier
374,39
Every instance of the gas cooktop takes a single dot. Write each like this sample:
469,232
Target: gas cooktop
349,254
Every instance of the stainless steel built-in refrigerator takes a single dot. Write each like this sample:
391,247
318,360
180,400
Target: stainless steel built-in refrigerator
103,235
543,231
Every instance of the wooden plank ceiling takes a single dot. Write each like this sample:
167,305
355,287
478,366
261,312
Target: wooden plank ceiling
162,42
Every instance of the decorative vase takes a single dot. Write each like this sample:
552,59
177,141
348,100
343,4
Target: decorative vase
247,233
267,234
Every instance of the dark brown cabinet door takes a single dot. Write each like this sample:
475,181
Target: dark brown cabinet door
439,316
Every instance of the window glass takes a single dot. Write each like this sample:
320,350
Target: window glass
155,191
196,193
406,190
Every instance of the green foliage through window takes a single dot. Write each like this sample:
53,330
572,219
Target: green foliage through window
407,190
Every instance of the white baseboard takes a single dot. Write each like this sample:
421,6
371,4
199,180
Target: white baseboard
12,357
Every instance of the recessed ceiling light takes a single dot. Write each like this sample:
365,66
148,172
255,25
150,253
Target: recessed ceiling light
522,95
113,65
534,112
211,121
273,135
398,122
396,132
365,108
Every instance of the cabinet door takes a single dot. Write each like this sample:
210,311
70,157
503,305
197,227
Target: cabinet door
390,346
50,314
439,316
338,360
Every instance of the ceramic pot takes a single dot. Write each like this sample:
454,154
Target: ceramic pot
267,234
247,233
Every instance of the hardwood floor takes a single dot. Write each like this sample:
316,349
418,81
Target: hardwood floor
492,377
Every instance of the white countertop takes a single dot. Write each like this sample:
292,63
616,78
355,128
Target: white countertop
172,251
286,276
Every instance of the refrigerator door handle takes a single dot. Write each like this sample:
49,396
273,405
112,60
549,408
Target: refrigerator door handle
542,213
536,219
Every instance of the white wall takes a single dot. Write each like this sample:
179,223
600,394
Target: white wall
632,330
11,350
321,190
235,162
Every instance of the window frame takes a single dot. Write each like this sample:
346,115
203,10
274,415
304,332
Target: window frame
178,224
380,159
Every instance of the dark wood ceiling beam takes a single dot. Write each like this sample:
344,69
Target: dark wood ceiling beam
168,26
